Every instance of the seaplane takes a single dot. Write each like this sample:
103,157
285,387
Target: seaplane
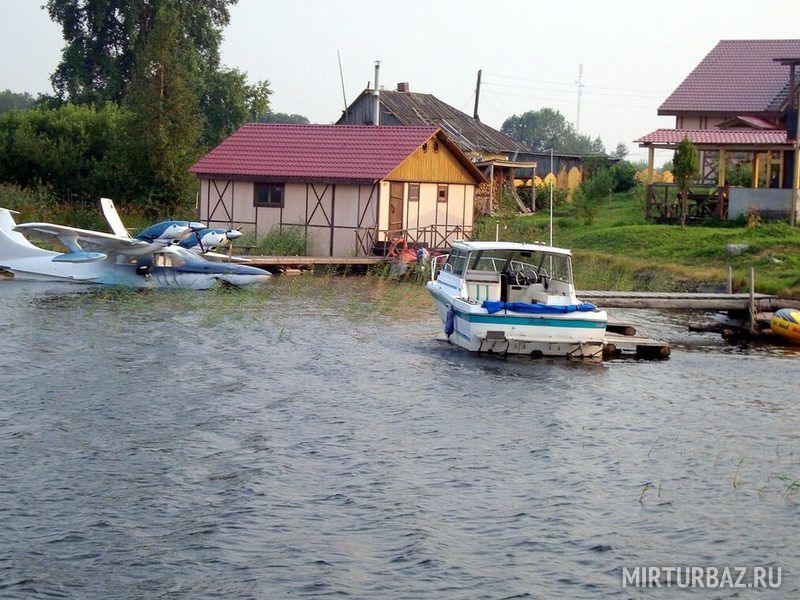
155,258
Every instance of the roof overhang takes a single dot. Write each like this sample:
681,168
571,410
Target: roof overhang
285,179
513,164
708,139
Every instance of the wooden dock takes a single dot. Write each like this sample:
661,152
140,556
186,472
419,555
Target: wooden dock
686,301
622,340
310,262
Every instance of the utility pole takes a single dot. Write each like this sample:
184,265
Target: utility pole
580,93
796,173
477,96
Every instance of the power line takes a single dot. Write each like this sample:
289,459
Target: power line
590,92
564,100
570,85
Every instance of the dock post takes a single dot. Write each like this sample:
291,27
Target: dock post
730,279
752,300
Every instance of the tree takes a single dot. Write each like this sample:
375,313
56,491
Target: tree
623,176
686,166
75,151
14,101
228,101
280,117
103,38
621,151
165,123
547,128
591,194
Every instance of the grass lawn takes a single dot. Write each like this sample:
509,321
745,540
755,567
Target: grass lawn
620,250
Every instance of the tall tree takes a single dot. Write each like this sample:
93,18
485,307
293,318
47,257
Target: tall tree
621,151
228,101
165,122
686,166
14,101
280,117
547,128
103,36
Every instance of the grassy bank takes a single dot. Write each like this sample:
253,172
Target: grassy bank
620,250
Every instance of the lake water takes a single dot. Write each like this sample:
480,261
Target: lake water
316,439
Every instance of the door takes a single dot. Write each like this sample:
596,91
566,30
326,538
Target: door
395,208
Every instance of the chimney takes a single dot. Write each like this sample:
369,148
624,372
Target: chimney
376,120
403,87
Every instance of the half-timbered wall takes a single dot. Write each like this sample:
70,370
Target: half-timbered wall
329,214
428,211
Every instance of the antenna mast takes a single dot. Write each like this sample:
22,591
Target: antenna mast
344,96
580,93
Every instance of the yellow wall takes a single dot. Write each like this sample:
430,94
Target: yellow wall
428,165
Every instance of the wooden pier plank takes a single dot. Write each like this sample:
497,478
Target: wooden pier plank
685,300
313,261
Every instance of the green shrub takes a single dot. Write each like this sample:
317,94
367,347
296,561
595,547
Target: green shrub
623,176
592,192
286,241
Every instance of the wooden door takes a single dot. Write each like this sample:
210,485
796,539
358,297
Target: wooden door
395,208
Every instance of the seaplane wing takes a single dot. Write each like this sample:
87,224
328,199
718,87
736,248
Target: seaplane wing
82,240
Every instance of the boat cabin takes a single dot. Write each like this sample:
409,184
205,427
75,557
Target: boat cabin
510,272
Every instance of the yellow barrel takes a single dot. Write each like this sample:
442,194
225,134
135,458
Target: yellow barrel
786,323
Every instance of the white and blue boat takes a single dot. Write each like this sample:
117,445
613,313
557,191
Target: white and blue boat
513,298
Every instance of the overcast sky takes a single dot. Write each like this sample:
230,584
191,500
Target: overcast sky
633,53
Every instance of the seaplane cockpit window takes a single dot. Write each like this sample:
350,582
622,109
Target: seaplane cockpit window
167,260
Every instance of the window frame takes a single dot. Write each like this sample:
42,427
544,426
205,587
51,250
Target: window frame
257,185
439,188
413,197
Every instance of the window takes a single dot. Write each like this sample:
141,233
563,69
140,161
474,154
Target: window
268,194
441,194
413,192
456,262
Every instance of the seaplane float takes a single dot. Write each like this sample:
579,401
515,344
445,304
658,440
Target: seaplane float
514,298
169,254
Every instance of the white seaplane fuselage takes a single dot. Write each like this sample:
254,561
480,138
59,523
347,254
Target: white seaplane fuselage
129,263
510,298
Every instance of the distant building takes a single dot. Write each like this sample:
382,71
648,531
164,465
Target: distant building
348,189
403,107
502,160
738,106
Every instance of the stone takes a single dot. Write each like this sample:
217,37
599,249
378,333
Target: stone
736,249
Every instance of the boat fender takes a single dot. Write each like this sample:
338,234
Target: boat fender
450,322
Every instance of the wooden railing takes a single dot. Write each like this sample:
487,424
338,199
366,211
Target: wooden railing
391,242
703,202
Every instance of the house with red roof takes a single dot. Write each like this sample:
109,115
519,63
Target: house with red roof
739,107
350,189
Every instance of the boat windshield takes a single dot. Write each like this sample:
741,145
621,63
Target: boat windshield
552,266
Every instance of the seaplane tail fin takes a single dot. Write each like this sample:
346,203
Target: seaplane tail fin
12,243
112,217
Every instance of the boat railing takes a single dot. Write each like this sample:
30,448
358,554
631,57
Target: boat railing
435,266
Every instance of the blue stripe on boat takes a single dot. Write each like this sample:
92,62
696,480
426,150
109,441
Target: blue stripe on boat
530,321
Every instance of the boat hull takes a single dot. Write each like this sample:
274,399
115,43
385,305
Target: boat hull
786,323
574,335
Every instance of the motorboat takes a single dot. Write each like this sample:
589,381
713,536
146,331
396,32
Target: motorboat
514,298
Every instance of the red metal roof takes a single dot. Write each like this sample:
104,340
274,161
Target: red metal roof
758,122
718,137
737,76
335,153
